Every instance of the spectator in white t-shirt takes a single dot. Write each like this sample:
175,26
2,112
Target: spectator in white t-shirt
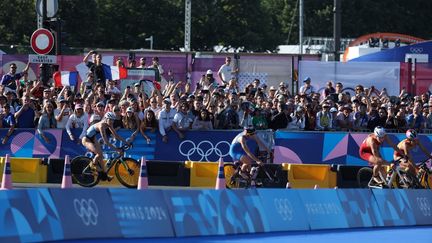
226,71
166,119
79,119
62,113
307,88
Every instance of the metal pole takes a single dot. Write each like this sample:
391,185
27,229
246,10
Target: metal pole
187,31
336,28
301,27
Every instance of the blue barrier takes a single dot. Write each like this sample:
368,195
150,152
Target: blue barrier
210,212
89,213
420,205
323,209
55,214
142,214
360,208
394,207
29,215
284,210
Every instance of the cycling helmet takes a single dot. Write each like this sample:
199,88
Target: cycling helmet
411,134
250,130
379,131
110,115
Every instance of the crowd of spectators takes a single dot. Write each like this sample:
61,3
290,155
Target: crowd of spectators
179,107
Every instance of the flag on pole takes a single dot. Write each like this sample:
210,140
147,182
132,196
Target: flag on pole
114,72
65,78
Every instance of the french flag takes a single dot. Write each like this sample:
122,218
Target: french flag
114,72
65,78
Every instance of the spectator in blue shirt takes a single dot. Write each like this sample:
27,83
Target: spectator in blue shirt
11,79
25,114
416,120
7,121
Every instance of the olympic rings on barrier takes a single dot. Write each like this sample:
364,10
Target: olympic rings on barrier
424,206
199,149
87,210
284,208
416,49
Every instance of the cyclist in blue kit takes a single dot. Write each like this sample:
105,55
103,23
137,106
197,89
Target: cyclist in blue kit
243,149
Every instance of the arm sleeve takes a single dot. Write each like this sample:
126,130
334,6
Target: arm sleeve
86,125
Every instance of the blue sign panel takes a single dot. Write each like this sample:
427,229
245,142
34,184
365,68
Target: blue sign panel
421,205
394,207
29,215
360,208
210,212
142,213
284,210
323,209
197,146
87,213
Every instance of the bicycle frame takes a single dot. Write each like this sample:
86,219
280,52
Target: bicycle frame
118,158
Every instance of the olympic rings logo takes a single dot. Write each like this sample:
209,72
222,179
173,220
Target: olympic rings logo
284,208
200,149
424,206
87,210
416,50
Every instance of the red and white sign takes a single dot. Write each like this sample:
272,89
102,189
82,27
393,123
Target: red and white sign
42,41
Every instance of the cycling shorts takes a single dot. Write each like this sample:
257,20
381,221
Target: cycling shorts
365,152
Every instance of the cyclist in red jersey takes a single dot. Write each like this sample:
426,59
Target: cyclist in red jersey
369,151
406,146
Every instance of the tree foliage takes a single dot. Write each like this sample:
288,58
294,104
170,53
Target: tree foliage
258,25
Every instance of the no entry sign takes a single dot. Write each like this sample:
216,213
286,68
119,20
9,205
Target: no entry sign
42,41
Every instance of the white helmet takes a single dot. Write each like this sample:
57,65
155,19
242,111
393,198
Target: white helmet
110,115
379,131
411,134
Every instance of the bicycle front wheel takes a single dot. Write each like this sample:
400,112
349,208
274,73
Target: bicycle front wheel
82,173
364,175
127,172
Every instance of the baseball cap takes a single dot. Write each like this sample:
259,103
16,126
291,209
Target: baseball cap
100,103
333,109
272,88
306,79
79,106
62,99
167,101
130,109
209,72
137,84
47,90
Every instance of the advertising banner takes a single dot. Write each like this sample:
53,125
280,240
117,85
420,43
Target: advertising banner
323,209
350,74
360,207
284,210
394,207
86,213
142,213
29,215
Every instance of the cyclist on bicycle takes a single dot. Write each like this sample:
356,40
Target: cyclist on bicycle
104,128
369,151
406,146
243,149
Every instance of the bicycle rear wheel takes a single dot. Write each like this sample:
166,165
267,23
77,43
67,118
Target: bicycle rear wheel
364,175
233,179
81,172
128,172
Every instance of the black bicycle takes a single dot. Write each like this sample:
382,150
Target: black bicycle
259,175
396,178
127,170
424,173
